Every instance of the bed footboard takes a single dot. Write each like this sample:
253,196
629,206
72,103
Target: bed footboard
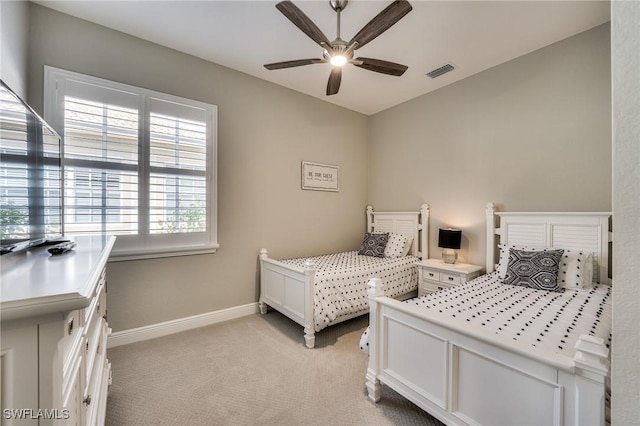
461,376
289,290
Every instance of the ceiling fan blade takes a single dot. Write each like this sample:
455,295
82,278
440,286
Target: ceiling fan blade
378,65
302,21
333,85
294,63
382,22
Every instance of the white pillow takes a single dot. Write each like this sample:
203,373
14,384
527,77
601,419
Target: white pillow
407,245
395,245
575,270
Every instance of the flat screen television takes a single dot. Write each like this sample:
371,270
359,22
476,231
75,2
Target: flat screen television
30,176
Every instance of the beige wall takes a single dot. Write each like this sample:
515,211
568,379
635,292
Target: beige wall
537,125
265,131
14,31
625,61
533,134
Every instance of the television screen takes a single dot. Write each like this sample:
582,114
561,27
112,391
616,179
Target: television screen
30,176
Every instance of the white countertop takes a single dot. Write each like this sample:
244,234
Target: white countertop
35,282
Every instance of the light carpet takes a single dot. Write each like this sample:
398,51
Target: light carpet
251,371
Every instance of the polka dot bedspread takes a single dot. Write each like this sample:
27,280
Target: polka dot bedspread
543,319
340,286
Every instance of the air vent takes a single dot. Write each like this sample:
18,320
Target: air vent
439,71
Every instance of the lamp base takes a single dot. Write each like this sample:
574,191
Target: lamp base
449,256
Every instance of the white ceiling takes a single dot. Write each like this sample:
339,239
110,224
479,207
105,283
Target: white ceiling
245,35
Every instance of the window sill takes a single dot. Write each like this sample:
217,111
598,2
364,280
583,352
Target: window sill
160,253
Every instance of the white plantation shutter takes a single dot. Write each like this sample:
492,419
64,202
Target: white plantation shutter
101,162
137,164
178,168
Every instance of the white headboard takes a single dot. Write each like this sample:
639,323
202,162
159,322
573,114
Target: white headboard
576,231
414,224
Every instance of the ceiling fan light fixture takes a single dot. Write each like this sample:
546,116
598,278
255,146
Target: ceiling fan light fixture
338,60
339,52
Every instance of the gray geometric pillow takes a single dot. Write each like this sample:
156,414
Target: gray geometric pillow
535,269
373,244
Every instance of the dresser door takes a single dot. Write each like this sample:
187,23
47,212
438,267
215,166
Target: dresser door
18,374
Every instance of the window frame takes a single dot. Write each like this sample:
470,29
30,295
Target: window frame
144,244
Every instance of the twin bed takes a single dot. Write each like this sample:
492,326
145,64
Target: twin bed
320,291
483,352
491,353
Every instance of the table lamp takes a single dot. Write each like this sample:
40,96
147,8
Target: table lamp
449,239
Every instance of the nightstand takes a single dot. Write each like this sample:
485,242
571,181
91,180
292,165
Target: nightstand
435,275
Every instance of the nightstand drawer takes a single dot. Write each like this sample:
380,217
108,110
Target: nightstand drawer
450,279
431,275
431,288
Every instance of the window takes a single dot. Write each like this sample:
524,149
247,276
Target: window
138,164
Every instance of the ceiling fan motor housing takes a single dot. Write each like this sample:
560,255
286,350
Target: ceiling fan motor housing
338,4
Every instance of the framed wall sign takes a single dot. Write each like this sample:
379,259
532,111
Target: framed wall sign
320,177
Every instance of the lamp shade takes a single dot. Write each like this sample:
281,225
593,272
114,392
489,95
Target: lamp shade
450,238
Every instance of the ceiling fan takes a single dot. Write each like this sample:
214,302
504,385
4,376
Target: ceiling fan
339,52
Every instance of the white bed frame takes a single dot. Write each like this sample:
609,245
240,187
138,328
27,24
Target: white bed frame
465,375
289,289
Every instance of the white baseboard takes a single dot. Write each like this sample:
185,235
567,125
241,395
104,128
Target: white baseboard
152,331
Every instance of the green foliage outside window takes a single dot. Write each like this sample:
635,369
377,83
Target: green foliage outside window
13,224
193,219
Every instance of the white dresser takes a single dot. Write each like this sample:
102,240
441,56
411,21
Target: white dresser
53,310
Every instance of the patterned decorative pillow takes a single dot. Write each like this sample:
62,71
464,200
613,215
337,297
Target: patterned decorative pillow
534,269
575,271
395,245
374,244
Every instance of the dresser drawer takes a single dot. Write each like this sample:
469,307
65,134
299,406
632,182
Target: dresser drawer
72,332
99,303
72,385
95,330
